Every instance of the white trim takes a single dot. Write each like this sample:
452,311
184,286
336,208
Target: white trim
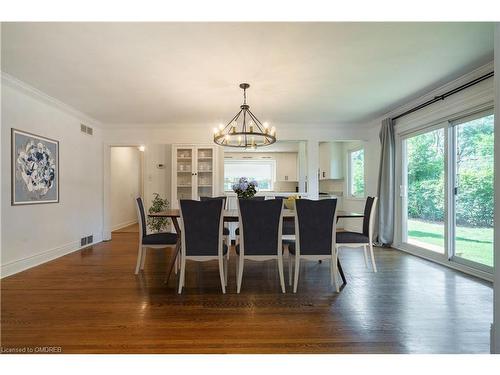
31,261
447,263
17,84
123,225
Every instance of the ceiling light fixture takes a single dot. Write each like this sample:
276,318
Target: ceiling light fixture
245,130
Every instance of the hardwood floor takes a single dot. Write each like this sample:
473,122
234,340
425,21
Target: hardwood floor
91,302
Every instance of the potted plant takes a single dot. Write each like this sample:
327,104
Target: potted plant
158,224
244,188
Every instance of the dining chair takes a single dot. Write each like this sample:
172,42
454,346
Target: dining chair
288,225
258,199
315,224
201,232
365,238
225,230
153,240
260,235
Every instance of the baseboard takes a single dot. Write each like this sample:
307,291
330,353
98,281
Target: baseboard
20,265
123,225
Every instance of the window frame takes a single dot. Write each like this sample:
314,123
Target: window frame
350,194
447,123
272,162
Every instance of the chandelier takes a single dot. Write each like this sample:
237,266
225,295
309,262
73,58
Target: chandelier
245,130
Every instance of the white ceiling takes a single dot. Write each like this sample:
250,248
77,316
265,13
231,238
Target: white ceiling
180,73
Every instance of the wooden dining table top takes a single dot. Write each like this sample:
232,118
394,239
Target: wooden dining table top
232,215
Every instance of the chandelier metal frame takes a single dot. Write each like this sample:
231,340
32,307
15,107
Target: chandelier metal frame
252,132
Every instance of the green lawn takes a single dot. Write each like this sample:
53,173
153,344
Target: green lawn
475,244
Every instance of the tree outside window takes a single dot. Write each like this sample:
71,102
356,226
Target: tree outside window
357,173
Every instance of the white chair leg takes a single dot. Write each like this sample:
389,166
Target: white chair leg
280,270
182,275
226,259
335,270
143,260
290,266
139,259
296,274
366,256
221,274
373,258
241,260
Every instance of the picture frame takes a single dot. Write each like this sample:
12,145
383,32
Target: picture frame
34,169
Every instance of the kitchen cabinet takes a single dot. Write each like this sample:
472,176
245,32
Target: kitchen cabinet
286,166
193,172
331,161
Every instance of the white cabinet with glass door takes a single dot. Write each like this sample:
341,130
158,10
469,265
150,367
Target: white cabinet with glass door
193,172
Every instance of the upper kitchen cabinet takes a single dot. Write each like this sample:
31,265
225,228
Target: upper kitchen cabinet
331,161
286,166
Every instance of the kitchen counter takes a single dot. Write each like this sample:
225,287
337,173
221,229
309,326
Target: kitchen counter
269,193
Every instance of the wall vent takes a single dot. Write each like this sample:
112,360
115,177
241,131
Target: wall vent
86,129
83,241
90,239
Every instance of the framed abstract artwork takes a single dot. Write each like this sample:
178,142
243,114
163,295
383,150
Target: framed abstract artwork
35,169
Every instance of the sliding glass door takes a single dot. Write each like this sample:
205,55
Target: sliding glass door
446,183
473,190
424,197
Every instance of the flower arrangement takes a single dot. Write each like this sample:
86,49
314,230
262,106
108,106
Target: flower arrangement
158,224
244,188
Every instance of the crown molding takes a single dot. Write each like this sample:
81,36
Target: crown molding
25,88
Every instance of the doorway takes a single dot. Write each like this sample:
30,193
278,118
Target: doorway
125,187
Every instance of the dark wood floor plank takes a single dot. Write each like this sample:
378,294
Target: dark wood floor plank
91,302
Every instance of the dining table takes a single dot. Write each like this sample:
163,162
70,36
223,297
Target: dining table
231,216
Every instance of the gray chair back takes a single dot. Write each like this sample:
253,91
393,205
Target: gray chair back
315,225
222,197
260,226
142,216
259,198
201,227
366,219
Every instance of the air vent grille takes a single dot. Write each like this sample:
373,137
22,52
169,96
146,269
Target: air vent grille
86,129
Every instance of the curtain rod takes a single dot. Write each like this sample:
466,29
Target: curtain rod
446,94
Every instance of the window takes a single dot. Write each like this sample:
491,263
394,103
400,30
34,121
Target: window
356,173
425,186
263,171
447,191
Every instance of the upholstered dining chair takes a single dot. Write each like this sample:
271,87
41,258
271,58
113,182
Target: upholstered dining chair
288,225
225,230
201,231
258,199
315,225
365,238
153,240
260,235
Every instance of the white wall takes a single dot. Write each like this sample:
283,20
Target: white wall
126,181
34,234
